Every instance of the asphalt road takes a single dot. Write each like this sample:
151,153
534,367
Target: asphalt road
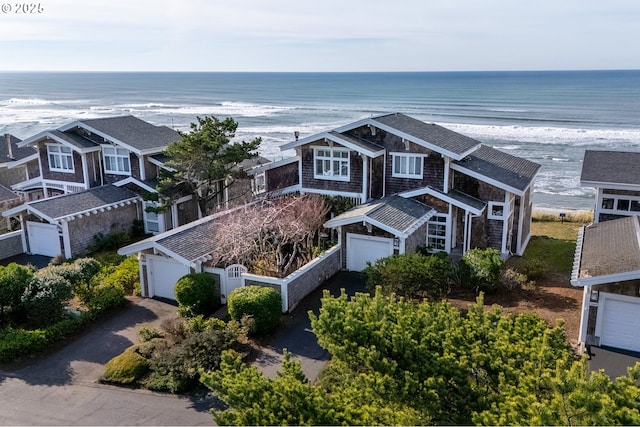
64,389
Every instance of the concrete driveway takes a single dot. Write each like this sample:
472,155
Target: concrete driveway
295,334
63,388
614,362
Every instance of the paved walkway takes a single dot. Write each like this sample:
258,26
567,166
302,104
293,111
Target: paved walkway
296,336
614,362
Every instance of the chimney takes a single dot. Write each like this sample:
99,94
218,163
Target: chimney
9,148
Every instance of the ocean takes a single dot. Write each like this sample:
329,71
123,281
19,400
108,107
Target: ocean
548,117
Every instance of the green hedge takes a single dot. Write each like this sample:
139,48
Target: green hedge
196,294
263,304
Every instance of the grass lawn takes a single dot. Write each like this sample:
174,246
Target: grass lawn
553,243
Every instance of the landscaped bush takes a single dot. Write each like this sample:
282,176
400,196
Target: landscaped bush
125,275
511,279
411,275
109,242
17,342
104,298
14,279
263,304
45,298
483,267
126,368
196,295
534,268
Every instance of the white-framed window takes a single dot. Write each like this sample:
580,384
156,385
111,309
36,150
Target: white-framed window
331,163
437,233
497,210
620,204
407,165
60,158
116,160
152,221
259,183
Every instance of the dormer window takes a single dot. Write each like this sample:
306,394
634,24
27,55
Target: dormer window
331,163
407,165
116,160
60,158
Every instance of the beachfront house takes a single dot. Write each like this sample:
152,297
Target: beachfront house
615,175
460,194
607,257
89,171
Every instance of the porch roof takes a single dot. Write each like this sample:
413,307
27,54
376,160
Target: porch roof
610,167
6,194
18,153
395,214
503,170
70,206
455,197
607,252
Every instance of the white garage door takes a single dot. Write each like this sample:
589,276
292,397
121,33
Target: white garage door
361,249
43,239
163,274
619,321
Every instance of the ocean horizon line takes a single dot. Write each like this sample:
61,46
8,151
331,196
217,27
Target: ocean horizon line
586,70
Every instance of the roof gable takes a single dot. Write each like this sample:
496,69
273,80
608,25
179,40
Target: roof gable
503,170
131,132
433,136
395,214
68,205
610,167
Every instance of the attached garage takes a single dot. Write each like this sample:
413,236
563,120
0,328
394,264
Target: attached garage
618,322
163,273
43,239
362,249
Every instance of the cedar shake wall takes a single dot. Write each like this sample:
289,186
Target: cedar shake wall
83,230
621,192
187,212
8,177
494,234
281,177
33,169
47,173
10,244
354,185
150,170
432,167
377,177
416,240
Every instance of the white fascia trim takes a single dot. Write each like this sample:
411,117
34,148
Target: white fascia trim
610,185
30,184
15,163
488,180
132,180
363,218
272,165
99,209
110,138
160,164
328,192
14,211
47,135
424,143
608,278
431,192
335,139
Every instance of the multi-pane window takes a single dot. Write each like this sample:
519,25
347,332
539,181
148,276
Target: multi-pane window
621,204
331,163
60,158
116,160
437,233
407,166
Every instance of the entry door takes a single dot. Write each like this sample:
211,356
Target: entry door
44,239
234,278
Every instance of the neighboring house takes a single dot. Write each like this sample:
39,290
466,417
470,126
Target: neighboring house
607,267
8,199
607,258
480,197
616,177
16,163
67,224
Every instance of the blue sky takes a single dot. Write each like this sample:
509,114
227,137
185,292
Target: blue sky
326,35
